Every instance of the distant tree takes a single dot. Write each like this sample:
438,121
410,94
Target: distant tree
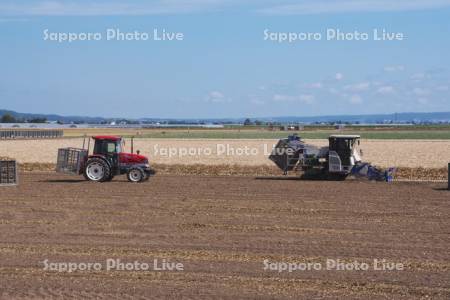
38,120
247,122
8,118
258,123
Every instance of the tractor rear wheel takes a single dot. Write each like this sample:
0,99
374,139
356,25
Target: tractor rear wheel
97,170
136,175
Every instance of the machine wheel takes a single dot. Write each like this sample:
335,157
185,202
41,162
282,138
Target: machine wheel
136,175
97,170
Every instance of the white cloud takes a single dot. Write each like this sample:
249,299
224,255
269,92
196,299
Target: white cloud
216,97
216,94
397,68
307,7
355,99
333,91
419,76
423,101
385,90
357,87
256,100
338,76
420,91
284,98
315,85
306,98
442,88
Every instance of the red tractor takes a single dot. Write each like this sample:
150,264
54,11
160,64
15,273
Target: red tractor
106,161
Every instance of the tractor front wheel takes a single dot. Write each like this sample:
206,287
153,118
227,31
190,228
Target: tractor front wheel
97,170
136,175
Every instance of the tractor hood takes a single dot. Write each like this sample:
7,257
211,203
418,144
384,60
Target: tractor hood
128,158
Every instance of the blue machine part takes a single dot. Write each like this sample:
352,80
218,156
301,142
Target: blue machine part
372,173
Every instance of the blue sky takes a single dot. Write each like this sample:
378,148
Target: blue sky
223,67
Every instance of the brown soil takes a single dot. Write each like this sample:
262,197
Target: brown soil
222,229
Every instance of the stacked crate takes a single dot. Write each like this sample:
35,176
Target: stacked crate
71,160
8,172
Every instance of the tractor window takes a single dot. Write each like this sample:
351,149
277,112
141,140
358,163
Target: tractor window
111,148
106,147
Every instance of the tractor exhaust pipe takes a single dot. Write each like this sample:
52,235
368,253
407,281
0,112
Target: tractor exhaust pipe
132,144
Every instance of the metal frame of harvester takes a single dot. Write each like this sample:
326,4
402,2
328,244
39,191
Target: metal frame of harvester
341,158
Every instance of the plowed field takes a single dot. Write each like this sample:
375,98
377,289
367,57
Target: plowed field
222,229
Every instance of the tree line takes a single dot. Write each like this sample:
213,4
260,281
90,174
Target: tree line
8,118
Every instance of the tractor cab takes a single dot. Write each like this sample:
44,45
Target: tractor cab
107,145
110,148
344,152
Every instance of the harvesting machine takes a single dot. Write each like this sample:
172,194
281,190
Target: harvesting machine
341,158
106,161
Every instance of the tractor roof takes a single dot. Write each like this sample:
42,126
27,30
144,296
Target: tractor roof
107,137
342,136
